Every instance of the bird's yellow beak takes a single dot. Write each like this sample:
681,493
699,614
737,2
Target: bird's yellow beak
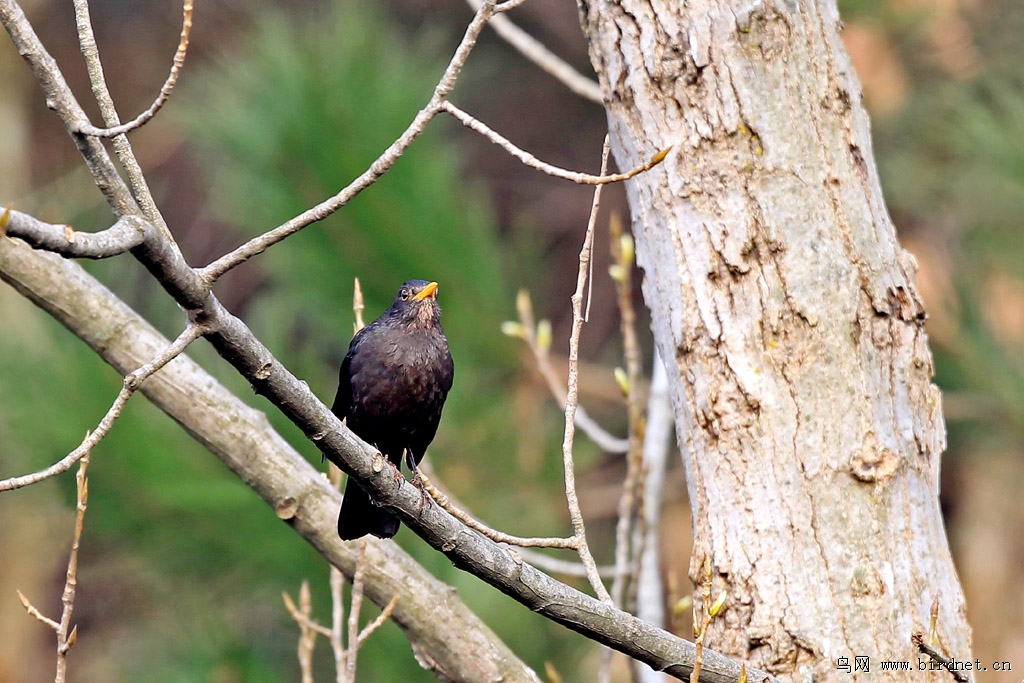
430,290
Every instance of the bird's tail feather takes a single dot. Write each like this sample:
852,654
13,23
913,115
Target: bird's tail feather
359,516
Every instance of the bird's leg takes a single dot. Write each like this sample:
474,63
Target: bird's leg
417,481
410,461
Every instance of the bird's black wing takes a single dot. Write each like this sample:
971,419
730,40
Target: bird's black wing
344,395
343,398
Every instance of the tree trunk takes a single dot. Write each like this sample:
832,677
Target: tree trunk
787,314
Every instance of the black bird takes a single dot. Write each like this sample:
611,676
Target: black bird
394,381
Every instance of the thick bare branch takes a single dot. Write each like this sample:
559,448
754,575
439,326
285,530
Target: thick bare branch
60,99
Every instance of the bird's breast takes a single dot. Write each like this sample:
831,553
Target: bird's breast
401,382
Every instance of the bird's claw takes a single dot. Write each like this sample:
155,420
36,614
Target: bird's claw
417,481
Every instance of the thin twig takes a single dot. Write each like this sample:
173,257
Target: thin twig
379,167
131,383
334,633
31,609
307,629
945,662
539,54
572,396
66,639
622,254
358,306
67,635
438,102
626,553
345,657
528,332
708,611
533,162
553,565
650,587
165,91
384,615
354,607
455,511
507,5
337,579
303,618
122,148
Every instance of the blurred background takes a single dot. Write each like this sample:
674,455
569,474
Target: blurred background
182,566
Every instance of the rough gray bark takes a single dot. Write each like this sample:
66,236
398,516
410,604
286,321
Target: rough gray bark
812,433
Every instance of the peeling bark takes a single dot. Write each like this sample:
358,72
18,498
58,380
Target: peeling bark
811,431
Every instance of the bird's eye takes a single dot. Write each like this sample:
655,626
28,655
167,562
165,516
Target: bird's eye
404,294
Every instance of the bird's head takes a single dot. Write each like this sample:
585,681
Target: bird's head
416,304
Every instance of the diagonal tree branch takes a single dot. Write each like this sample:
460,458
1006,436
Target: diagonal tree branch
61,99
243,439
528,159
297,492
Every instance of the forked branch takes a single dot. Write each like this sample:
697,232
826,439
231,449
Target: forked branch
165,91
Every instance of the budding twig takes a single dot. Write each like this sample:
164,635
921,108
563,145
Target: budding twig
537,336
